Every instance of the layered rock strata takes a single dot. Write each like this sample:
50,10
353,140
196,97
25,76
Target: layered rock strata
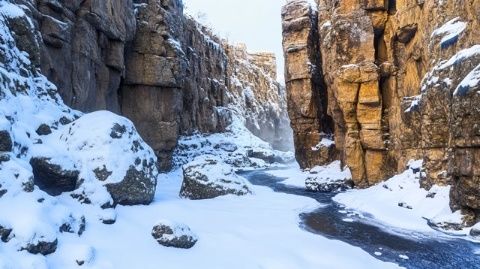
401,80
148,61
307,93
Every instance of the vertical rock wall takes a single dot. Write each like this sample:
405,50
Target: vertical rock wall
402,80
146,60
307,93
83,48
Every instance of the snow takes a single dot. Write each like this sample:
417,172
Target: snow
294,177
10,10
178,229
470,81
257,231
450,31
383,201
325,142
215,173
459,57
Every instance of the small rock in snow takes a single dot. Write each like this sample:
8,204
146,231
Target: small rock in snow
174,235
405,257
6,143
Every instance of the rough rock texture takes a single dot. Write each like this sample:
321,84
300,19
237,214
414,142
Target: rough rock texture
402,79
174,235
42,247
207,177
191,80
82,48
307,93
52,178
148,61
6,143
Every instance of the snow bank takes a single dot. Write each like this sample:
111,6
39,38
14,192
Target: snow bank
400,201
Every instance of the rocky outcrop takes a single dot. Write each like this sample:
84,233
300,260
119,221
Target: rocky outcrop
192,81
401,80
146,60
307,93
207,177
82,50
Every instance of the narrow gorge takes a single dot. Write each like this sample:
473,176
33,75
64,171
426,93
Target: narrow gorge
388,81
132,135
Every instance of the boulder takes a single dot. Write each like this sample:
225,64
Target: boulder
53,178
6,143
113,165
42,247
43,129
174,235
5,234
208,177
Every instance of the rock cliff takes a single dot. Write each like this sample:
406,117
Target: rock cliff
400,80
146,60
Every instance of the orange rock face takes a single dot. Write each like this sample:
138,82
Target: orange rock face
401,79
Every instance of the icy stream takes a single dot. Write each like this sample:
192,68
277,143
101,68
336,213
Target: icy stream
407,248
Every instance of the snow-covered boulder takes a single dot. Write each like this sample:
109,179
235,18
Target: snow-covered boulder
208,177
329,178
175,235
97,151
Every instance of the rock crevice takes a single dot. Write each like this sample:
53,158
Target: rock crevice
401,79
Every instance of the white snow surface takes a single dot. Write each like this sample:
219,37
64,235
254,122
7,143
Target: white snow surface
470,81
383,202
450,30
216,172
295,177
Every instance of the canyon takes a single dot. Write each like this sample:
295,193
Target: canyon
133,136
388,81
147,61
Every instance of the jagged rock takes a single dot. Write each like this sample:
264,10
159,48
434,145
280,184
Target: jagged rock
208,177
5,234
136,188
307,94
42,247
73,225
6,143
174,235
44,129
52,178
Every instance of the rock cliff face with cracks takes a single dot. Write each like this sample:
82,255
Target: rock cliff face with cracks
146,60
399,81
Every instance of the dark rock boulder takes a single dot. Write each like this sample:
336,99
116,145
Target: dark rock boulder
136,188
52,178
174,235
44,129
6,143
5,234
42,247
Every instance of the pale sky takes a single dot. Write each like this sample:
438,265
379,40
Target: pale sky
256,23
